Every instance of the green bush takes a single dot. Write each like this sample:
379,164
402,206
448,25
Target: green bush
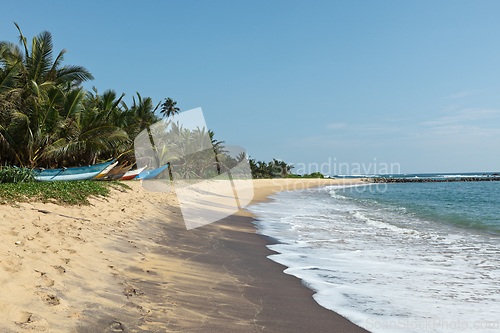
312,175
9,174
315,175
293,176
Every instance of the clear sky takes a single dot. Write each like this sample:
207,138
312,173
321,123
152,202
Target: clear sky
409,82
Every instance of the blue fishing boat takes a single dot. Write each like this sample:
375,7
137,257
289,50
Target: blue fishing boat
148,174
79,173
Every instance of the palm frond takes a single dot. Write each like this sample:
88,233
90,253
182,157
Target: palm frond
73,74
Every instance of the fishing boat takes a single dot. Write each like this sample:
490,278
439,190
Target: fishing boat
132,174
78,173
112,172
148,174
120,173
106,170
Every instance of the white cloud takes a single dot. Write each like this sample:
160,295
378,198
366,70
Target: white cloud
335,125
464,93
466,115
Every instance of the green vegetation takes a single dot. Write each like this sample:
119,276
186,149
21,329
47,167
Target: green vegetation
48,120
63,192
9,174
191,153
19,185
277,169
273,169
312,175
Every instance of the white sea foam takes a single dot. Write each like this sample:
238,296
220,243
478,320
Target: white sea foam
384,270
463,176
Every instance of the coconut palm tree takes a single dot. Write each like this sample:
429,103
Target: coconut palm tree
34,88
48,120
168,108
89,130
38,65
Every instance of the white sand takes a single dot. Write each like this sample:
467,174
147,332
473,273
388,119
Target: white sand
55,270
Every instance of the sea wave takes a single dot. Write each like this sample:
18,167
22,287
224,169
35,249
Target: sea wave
373,264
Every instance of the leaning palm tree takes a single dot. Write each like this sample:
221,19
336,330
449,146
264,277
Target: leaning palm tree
218,150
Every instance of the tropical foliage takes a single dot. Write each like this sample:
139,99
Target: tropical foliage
169,108
311,175
273,169
9,174
191,153
48,120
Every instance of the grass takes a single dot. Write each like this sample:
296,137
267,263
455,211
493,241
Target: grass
60,192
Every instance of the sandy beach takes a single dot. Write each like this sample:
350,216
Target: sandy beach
126,263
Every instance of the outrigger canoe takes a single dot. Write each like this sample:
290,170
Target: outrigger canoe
79,173
112,172
106,170
132,174
144,175
120,173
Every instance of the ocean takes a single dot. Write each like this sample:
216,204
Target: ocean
411,257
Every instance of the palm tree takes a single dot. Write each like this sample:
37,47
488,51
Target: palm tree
33,90
90,129
218,150
168,108
47,119
40,68
88,136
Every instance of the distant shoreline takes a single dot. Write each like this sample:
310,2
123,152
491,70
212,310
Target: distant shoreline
430,180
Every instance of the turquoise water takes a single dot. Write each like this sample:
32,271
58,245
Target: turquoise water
406,258
474,205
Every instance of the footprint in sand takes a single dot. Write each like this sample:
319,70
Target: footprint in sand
24,317
49,299
44,281
11,266
129,292
66,260
28,320
116,326
60,269
142,310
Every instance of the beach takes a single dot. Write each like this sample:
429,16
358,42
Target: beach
410,257
126,263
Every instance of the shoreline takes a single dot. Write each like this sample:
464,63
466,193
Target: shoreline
144,272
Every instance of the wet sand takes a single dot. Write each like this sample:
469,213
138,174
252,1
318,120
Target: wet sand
150,274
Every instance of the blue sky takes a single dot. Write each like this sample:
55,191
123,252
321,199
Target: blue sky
408,82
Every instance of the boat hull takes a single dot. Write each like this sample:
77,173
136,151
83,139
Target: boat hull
120,173
144,175
70,174
132,174
105,171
